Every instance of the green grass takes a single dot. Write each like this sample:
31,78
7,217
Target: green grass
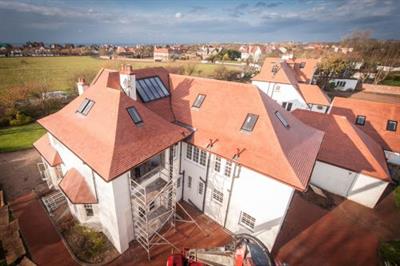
391,82
19,138
60,72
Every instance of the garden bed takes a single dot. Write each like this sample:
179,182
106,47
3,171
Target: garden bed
88,245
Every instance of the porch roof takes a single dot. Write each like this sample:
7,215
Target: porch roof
76,188
47,151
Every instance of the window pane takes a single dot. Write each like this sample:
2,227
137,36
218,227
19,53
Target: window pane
247,220
282,119
83,105
196,154
141,92
201,187
199,100
159,82
190,182
249,122
189,149
203,156
228,168
217,196
360,120
217,166
88,107
134,115
391,125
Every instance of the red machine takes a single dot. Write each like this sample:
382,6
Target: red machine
244,251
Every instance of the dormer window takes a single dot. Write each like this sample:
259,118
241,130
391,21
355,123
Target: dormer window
391,125
360,120
282,119
199,101
249,122
85,106
133,113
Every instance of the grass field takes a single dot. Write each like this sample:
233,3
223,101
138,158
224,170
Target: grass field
60,72
19,138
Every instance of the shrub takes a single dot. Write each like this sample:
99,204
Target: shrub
390,253
21,119
4,122
397,196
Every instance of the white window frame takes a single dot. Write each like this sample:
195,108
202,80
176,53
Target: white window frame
201,187
88,208
217,164
218,196
189,182
247,221
228,168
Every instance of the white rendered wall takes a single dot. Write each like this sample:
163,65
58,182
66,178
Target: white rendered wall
315,108
222,183
285,93
198,174
265,199
357,187
113,210
351,84
393,157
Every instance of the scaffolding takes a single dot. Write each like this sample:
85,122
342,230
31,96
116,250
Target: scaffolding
153,206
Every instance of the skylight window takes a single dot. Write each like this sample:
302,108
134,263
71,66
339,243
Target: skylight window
135,115
282,119
85,106
151,89
391,125
199,100
249,122
360,120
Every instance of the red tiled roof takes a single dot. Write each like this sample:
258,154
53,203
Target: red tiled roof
313,94
385,89
47,151
289,72
304,74
345,145
286,154
76,189
377,114
107,139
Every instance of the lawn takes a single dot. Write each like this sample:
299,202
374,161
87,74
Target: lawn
19,138
60,72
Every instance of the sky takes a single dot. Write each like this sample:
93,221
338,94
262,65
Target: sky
168,21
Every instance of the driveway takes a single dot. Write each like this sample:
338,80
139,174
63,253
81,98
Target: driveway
18,172
347,234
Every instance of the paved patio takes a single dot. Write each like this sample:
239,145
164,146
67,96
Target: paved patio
185,236
18,172
348,234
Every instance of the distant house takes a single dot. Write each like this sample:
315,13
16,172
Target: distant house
250,52
165,53
350,163
288,83
344,84
207,51
379,120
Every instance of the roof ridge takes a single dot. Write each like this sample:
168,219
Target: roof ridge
216,80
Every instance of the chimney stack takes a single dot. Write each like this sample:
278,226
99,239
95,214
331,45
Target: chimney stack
128,81
81,85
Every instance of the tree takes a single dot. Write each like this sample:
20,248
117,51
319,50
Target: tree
331,66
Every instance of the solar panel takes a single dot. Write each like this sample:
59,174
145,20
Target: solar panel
134,115
151,89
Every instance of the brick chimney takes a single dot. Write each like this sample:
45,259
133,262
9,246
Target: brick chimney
81,85
128,81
